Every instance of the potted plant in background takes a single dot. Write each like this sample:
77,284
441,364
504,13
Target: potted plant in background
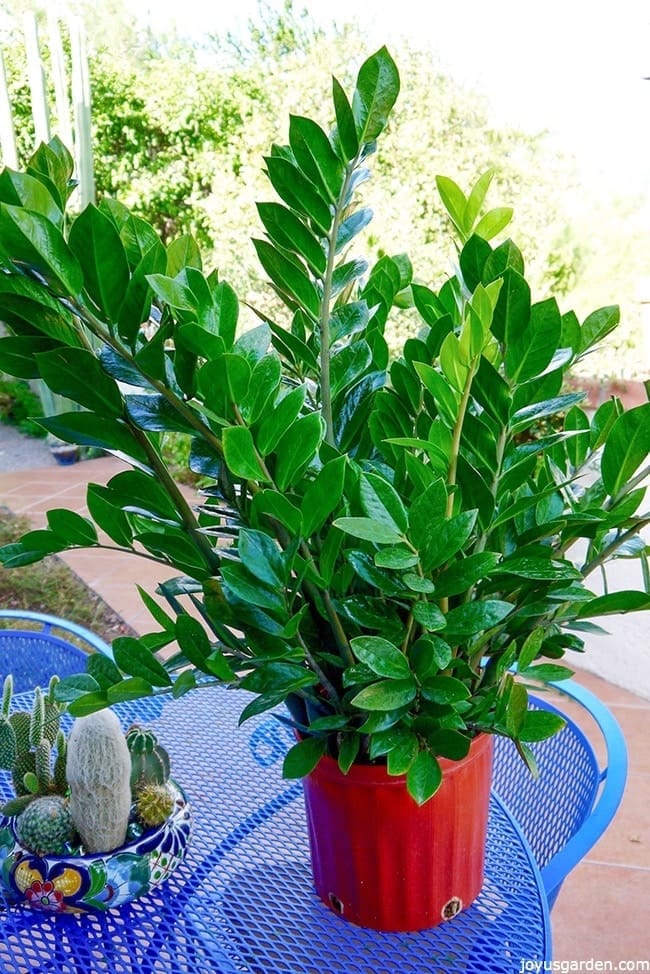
96,820
381,541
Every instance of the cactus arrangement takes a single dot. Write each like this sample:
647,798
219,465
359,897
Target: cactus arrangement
28,742
86,792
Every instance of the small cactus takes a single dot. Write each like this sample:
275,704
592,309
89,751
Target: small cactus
149,760
154,805
98,770
46,826
27,741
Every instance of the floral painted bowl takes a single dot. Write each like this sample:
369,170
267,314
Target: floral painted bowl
96,881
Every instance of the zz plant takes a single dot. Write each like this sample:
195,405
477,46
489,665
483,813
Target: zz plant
392,546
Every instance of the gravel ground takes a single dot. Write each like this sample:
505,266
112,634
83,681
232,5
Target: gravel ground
20,452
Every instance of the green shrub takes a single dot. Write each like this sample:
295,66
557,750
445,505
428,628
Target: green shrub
19,404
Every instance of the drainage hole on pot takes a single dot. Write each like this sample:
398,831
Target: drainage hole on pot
451,908
335,903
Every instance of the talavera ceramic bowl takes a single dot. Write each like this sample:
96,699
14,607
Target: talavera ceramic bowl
97,881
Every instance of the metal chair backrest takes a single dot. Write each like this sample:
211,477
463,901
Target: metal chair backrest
35,646
581,781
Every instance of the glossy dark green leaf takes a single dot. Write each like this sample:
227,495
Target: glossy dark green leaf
103,670
396,558
177,548
348,751
323,495
193,641
598,325
155,413
41,541
577,446
444,395
289,233
135,309
89,429
381,502
626,449
270,504
78,375
444,689
315,156
23,189
386,695
424,777
249,588
298,192
461,575
53,165
303,757
297,449
446,538
375,94
401,757
289,277
525,417
345,125
475,617
73,687
275,423
545,568
260,554
381,656
30,238
368,530
512,312
18,355
348,364
134,688
136,660
546,672
172,292
616,602
474,254
278,677
110,519
538,725
240,454
530,350
429,616
182,252
75,529
97,246
183,683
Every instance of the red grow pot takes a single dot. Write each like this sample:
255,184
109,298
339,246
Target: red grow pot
380,860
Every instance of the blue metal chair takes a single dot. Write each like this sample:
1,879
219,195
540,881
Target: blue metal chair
567,808
34,646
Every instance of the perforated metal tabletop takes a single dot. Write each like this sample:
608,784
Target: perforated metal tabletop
243,902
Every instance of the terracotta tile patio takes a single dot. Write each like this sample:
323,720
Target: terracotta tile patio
601,913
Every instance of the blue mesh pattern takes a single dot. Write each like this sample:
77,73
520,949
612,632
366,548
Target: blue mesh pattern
243,901
33,657
550,808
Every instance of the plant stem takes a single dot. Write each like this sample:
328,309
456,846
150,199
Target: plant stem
188,519
324,321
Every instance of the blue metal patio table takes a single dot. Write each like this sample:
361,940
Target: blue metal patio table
243,902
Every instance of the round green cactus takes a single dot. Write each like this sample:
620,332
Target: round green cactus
46,825
154,804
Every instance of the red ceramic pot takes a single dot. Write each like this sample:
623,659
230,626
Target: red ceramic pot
380,860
